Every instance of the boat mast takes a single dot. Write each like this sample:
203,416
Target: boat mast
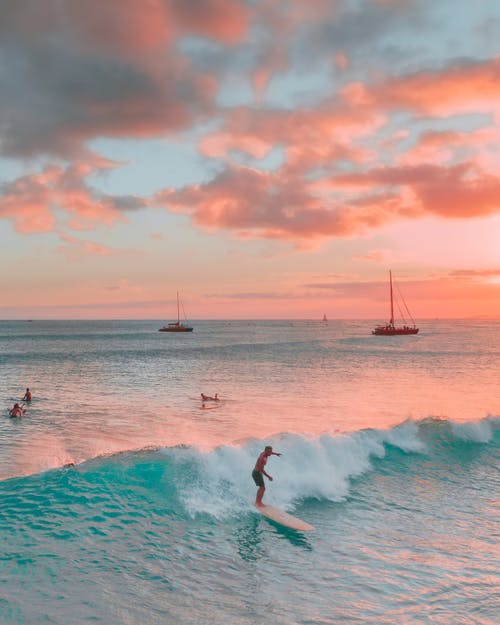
178,316
392,304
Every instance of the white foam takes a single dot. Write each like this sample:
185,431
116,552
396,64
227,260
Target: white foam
320,467
475,431
405,436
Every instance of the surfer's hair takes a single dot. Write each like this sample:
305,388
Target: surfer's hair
268,448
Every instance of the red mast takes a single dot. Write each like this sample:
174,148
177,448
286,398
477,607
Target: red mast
392,304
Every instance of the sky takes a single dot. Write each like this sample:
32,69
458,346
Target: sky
265,158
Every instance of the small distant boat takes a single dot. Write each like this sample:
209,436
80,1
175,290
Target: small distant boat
324,318
391,329
176,326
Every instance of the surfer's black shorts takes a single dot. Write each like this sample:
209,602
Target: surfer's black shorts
258,478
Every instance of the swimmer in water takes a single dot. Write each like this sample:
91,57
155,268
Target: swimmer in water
17,411
208,398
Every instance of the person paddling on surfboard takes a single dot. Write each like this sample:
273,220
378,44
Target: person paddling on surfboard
17,411
259,472
209,398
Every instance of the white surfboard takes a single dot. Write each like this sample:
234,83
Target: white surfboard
283,518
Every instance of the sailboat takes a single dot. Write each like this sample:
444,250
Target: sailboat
176,326
390,329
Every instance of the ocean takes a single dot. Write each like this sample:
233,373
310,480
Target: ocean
126,500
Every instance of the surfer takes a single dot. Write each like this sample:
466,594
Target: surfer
27,395
259,472
17,411
208,398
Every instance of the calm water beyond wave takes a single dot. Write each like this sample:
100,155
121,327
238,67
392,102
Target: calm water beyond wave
390,449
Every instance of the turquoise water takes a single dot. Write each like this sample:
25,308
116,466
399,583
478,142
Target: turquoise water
390,449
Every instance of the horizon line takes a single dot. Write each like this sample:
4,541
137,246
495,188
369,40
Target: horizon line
194,319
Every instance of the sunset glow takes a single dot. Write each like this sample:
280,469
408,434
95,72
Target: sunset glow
267,159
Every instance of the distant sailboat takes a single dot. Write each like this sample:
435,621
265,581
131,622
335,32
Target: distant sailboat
390,329
324,318
176,326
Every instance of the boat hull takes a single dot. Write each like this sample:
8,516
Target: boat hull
176,329
383,331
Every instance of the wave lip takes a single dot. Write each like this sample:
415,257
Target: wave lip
475,431
218,482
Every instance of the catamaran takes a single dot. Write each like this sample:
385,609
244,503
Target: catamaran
176,326
390,329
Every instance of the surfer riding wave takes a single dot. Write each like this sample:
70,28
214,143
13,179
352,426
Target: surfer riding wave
259,472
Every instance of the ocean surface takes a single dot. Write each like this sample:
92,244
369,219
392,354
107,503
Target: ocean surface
390,448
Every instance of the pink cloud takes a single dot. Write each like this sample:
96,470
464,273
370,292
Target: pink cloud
332,132
121,25
458,191
224,20
245,200
310,137
26,202
31,201
473,286
126,26
381,257
283,206
93,69
460,88
475,273
74,248
341,60
270,205
447,147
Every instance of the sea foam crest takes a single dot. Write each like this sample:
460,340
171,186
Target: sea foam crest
475,431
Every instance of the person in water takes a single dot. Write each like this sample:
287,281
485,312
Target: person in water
17,411
208,398
259,472
27,395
